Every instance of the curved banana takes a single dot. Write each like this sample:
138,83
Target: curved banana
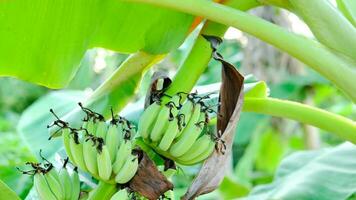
199,146
160,123
200,157
76,185
104,163
66,144
122,155
54,184
186,111
42,188
91,126
66,183
112,141
167,113
101,129
128,171
90,154
120,195
77,153
147,118
169,135
190,133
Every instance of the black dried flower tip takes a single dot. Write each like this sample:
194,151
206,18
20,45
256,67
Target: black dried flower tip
43,168
90,114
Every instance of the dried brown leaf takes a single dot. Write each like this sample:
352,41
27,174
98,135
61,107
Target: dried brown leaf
149,181
231,98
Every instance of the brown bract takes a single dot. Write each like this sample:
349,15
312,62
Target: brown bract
148,181
231,98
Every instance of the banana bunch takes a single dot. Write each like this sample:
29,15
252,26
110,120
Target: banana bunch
54,184
177,130
103,149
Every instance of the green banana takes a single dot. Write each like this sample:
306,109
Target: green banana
77,153
76,185
128,171
120,195
147,119
42,187
166,114
90,153
66,144
200,157
113,141
104,163
101,129
169,135
186,111
91,126
54,184
199,146
189,135
160,123
66,183
122,155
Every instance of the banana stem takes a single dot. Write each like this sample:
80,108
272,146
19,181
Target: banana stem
328,25
104,191
200,53
340,126
336,68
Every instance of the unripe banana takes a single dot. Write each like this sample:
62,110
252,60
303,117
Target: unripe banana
190,133
104,163
76,185
42,188
128,171
77,153
101,129
54,184
120,195
122,155
169,135
66,144
186,111
147,120
166,114
112,141
200,157
66,183
90,153
91,126
199,146
160,124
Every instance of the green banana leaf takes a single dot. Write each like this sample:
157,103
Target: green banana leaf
321,174
6,193
44,41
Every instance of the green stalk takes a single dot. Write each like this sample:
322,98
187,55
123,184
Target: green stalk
340,126
103,191
200,53
328,25
348,8
136,64
332,66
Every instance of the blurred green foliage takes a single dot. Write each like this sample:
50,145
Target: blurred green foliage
260,144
